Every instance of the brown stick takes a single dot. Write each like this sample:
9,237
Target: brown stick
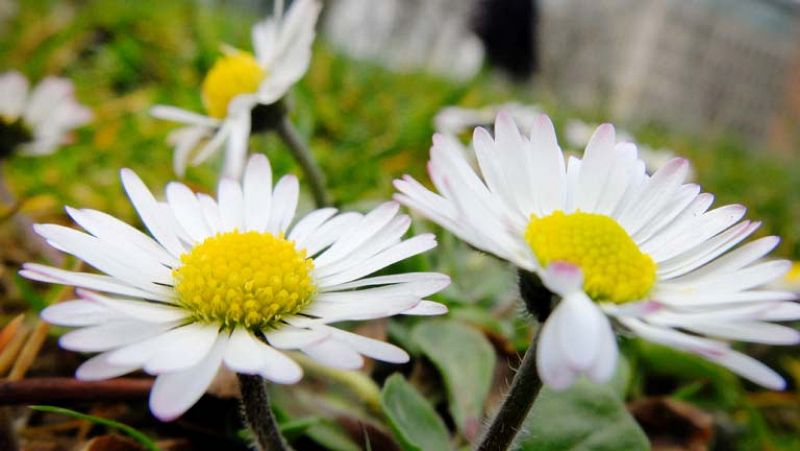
48,390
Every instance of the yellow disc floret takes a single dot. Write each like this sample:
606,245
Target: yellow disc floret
614,269
248,279
231,75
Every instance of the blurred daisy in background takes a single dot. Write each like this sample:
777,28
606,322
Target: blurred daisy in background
238,83
577,134
230,282
615,244
455,120
36,122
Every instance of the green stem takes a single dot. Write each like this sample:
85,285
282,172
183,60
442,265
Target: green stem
258,414
302,154
508,421
526,384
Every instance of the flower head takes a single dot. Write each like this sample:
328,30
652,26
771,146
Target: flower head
37,122
230,282
615,244
240,81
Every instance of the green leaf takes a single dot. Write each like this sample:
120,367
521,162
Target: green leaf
414,422
291,429
466,361
124,428
330,436
586,416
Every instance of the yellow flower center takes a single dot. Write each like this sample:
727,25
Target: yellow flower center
230,76
248,279
614,269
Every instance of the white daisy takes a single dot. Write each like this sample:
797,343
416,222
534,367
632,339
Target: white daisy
577,134
230,282
37,122
454,119
240,81
614,243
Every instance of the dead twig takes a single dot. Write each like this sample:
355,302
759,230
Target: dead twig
48,390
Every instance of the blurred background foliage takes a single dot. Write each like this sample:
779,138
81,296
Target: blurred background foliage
368,125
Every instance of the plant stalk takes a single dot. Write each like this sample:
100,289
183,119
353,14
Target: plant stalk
302,154
515,408
258,414
526,384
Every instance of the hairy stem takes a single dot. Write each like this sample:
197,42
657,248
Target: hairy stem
516,406
258,415
301,153
526,384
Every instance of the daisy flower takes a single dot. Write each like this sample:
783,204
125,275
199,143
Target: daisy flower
617,245
36,122
239,82
454,119
230,282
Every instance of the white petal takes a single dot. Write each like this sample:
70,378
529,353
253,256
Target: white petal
236,148
98,368
336,354
13,94
562,278
431,279
182,348
210,212
553,368
42,273
284,204
419,288
401,251
78,313
578,330
288,337
174,393
605,363
243,353
279,368
711,249
595,167
360,233
329,232
150,213
670,337
185,140
751,369
657,192
249,355
110,335
231,205
332,312
151,312
213,145
548,169
111,229
706,227
736,259
104,256
171,113
369,347
188,211
309,224
426,308
783,311
752,331
257,187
